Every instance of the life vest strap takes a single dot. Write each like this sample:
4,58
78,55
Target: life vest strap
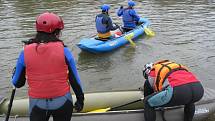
160,79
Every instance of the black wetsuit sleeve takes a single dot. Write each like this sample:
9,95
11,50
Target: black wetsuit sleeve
148,90
107,20
110,23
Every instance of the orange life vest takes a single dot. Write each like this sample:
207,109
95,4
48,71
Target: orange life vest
162,70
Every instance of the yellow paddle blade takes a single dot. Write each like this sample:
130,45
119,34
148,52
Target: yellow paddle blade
100,110
149,32
128,37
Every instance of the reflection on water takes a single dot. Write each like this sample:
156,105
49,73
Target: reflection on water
184,33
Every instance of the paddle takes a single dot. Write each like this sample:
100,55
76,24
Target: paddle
128,37
149,32
10,103
109,108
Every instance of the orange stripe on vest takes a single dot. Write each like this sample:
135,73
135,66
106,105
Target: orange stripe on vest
162,70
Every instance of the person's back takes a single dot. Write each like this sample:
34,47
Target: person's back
47,64
104,23
170,84
129,16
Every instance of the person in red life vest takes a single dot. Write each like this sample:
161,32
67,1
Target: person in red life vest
49,68
170,84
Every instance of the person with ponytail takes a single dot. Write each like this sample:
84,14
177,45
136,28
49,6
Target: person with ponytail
50,70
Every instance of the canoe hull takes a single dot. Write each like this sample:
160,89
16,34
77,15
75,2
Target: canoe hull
204,108
93,101
202,112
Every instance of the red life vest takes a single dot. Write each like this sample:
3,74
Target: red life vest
46,70
172,72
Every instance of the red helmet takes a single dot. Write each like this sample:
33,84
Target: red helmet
49,22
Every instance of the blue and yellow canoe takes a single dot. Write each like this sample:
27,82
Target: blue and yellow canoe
94,45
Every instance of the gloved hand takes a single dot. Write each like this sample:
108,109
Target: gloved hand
117,26
121,7
79,104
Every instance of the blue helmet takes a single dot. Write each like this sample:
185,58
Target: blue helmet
105,7
131,3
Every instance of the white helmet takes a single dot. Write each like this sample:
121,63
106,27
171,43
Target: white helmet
147,69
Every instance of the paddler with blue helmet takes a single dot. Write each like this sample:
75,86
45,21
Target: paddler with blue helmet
50,70
129,16
104,24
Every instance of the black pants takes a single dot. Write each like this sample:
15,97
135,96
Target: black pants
127,29
63,113
185,95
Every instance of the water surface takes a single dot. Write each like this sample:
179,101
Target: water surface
184,33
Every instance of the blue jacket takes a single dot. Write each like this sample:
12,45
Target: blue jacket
104,23
129,16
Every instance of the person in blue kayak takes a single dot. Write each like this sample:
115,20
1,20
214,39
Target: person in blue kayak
129,16
104,24
49,68
170,84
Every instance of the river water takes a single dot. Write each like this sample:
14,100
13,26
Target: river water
184,33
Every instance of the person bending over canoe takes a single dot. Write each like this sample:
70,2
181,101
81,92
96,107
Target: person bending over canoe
129,16
170,84
104,24
47,64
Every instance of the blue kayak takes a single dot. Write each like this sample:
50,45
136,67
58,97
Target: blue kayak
94,45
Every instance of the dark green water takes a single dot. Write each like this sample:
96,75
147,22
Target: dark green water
184,33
